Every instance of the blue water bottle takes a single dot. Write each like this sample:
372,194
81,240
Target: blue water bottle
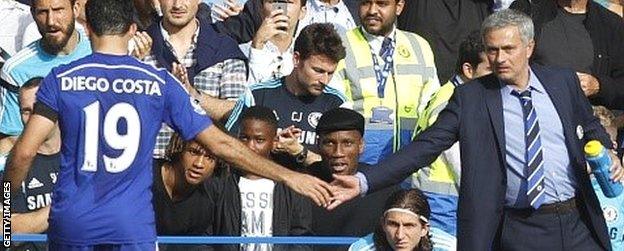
600,162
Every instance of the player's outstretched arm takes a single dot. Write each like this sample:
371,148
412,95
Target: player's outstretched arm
31,223
25,149
234,152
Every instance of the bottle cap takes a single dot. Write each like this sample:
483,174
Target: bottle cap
593,148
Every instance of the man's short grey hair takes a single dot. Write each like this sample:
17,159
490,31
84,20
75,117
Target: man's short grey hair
509,17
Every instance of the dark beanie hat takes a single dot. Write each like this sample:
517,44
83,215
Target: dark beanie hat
340,119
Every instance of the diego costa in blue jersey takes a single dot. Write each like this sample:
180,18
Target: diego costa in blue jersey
109,107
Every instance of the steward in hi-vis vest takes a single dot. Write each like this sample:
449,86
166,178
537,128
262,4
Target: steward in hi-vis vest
390,91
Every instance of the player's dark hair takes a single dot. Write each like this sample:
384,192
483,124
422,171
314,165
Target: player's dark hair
32,83
469,51
110,17
260,113
320,39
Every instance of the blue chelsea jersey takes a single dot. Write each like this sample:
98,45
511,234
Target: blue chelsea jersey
110,109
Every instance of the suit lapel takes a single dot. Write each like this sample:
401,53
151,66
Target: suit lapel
494,105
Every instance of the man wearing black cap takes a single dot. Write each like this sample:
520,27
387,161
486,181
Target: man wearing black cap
340,144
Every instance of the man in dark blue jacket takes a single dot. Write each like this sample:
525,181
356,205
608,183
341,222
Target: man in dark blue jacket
523,186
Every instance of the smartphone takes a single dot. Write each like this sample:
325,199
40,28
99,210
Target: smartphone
280,5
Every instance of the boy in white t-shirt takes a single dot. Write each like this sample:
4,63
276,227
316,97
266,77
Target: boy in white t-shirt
249,205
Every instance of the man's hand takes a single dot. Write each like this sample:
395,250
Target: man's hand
589,83
275,24
179,71
288,141
143,45
617,172
231,8
346,187
311,187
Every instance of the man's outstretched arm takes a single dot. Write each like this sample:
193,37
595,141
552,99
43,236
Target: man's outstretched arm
234,152
421,152
30,223
25,149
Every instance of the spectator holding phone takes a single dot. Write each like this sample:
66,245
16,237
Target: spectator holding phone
270,52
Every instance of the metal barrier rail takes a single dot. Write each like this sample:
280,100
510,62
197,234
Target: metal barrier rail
316,240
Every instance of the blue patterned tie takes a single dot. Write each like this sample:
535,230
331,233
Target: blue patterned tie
533,156
386,45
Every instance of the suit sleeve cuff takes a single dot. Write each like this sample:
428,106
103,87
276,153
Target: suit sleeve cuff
363,183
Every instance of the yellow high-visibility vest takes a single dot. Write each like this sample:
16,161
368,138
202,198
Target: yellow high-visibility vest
440,177
408,89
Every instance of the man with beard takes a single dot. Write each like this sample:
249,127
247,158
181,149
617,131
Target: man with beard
389,75
300,98
60,44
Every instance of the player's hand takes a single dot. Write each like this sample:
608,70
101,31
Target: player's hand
617,172
143,45
231,8
346,187
288,141
317,190
275,24
589,83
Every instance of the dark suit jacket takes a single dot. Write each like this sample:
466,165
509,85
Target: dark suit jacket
474,116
